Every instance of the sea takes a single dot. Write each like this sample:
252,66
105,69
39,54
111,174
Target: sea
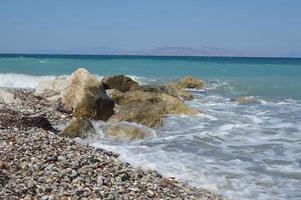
241,151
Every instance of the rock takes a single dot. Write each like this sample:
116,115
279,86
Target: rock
173,90
48,89
148,108
8,98
172,104
86,97
115,94
125,130
120,82
190,82
169,89
187,82
39,122
79,128
175,106
148,113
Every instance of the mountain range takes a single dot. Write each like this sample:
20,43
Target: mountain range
159,51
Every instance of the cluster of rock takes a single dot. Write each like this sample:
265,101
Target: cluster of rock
36,163
116,99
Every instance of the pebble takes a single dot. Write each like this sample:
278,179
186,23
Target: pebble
38,164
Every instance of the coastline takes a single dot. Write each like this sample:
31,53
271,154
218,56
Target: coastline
37,163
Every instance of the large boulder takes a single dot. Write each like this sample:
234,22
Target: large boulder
128,131
120,82
170,89
189,82
148,112
85,96
148,108
172,104
8,98
48,89
80,127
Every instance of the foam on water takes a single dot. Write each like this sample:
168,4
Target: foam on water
240,151
31,81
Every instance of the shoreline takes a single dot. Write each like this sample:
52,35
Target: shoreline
39,164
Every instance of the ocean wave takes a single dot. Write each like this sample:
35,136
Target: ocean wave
22,80
12,80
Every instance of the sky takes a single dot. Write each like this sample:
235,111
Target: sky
266,27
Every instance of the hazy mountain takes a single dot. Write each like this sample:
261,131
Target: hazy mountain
159,51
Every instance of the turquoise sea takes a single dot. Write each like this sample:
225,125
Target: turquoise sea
242,151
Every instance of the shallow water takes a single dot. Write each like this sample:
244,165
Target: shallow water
242,151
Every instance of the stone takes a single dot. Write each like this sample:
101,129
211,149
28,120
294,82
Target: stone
8,98
120,82
125,130
190,82
148,112
85,96
115,94
50,89
80,127
172,104
169,89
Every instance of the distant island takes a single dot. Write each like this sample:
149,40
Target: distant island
158,51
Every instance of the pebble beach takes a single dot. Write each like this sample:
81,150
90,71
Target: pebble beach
36,163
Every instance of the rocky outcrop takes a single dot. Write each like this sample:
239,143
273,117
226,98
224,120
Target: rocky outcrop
128,131
187,82
120,82
148,108
85,96
49,89
115,94
169,89
8,98
148,112
80,127
172,104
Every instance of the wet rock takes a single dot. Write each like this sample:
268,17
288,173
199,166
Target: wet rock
148,112
169,89
125,130
50,89
86,97
120,82
190,82
8,98
172,104
80,127
39,122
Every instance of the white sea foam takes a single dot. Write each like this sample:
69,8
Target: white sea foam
22,80
12,80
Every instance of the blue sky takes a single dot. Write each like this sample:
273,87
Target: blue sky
268,27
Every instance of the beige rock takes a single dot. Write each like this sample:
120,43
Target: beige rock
50,88
148,112
115,94
8,98
85,96
125,130
82,128
190,82
148,108
120,82
172,104
170,89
